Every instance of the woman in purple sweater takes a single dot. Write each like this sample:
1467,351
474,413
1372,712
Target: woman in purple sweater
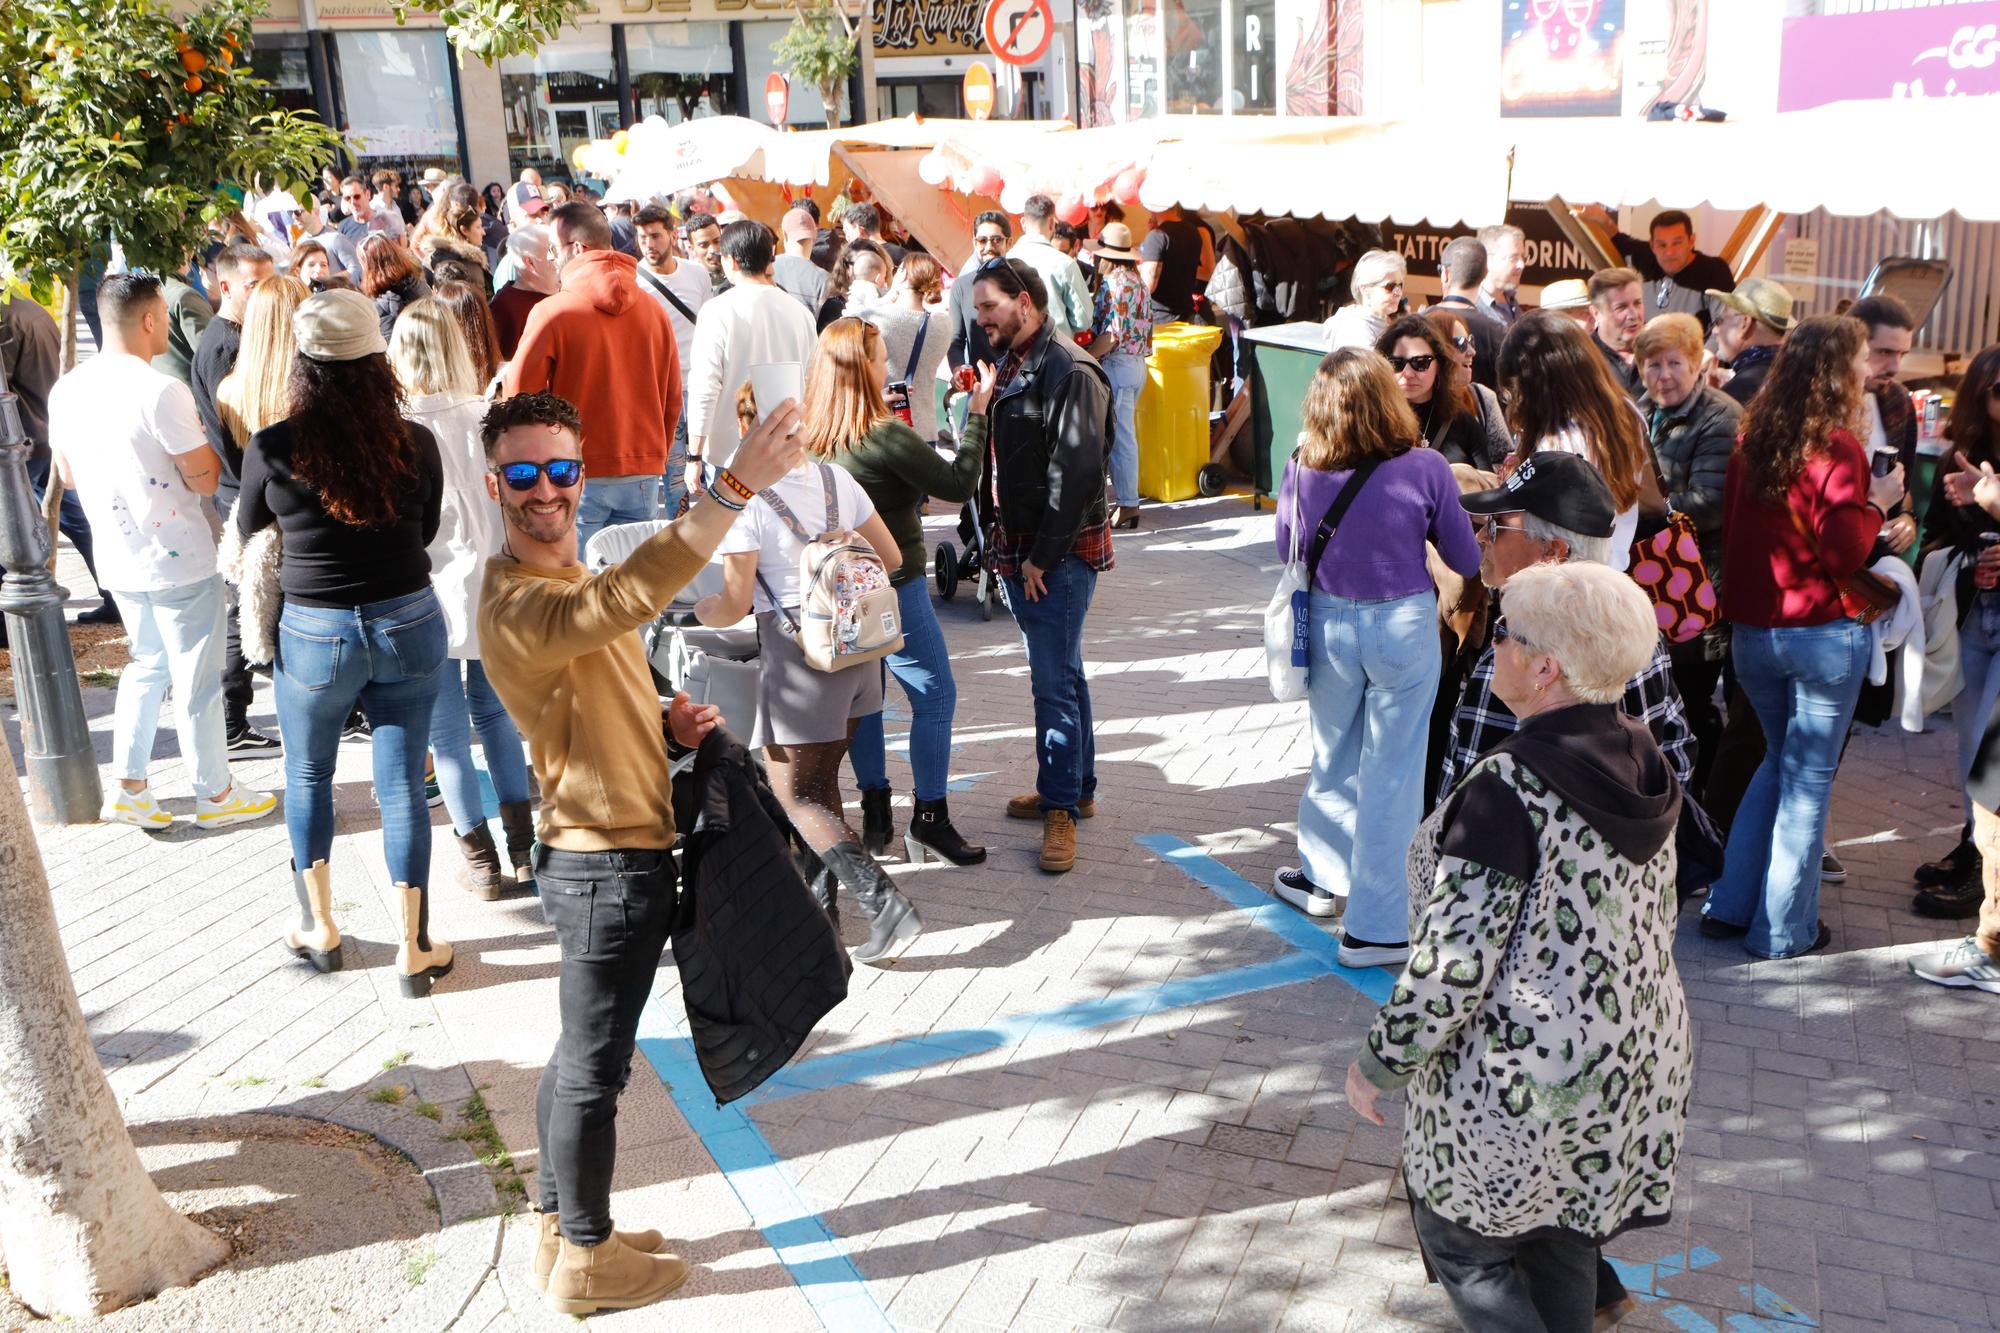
1374,645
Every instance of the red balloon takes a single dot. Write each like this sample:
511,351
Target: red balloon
1125,189
1072,210
983,179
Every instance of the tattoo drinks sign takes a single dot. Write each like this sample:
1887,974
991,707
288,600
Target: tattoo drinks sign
927,27
1562,57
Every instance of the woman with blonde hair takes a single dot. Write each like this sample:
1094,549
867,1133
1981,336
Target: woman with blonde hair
1559,394
441,392
1358,502
806,717
258,391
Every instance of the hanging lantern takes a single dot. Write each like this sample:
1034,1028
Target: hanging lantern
983,179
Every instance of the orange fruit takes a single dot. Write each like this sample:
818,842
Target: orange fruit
194,62
192,84
228,56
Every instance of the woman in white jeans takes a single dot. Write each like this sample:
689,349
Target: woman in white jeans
1121,338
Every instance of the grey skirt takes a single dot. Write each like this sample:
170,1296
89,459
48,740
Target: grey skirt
798,704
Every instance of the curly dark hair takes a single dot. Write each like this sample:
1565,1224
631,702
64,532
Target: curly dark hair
527,409
1812,392
843,268
1447,393
349,440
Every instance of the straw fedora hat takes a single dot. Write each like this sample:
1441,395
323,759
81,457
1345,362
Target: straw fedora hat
1115,242
1767,302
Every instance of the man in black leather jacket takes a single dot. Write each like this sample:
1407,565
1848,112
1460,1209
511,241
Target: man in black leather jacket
1050,427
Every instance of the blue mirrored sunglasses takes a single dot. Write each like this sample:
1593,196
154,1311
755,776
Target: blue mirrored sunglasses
563,473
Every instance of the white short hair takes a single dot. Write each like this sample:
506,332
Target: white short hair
1378,266
1595,621
528,242
1582,549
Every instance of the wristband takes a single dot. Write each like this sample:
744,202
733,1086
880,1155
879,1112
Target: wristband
728,479
733,506
695,458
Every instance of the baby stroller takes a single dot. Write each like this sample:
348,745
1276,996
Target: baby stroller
951,566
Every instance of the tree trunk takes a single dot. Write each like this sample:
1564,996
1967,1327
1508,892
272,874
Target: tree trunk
72,300
83,1229
829,93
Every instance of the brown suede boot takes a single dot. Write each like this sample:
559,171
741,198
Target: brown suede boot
611,1276
517,819
1029,806
1058,842
548,1245
420,959
480,876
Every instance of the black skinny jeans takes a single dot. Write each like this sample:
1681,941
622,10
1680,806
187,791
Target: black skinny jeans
1500,1284
610,911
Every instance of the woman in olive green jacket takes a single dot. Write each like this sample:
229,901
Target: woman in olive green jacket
847,421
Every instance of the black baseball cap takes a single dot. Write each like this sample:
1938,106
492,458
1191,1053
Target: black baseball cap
1558,488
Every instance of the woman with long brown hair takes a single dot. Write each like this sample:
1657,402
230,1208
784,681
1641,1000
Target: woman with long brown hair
1371,642
449,240
1559,394
356,492
391,277
474,314
806,717
1800,515
1451,410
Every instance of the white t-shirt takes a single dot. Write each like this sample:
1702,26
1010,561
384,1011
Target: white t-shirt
1625,526
761,530
120,423
689,281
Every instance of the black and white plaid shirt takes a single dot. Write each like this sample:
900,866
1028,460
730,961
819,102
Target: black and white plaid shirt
1481,721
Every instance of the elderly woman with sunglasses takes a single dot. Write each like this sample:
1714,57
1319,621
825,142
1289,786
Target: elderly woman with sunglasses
1379,278
1459,419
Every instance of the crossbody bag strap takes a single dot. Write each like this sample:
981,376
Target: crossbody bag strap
668,292
916,349
832,501
784,513
1336,512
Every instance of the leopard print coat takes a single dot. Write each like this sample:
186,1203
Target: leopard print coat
1540,1028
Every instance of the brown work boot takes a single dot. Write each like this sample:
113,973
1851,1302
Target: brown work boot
611,1276
548,1244
1030,807
1058,842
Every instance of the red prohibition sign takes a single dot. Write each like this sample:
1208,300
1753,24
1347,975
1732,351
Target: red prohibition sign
1019,31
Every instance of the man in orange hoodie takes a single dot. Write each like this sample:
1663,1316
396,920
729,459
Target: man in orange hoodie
605,346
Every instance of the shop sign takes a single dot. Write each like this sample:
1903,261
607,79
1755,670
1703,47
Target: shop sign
1562,58
777,96
1802,259
1550,254
978,91
927,27
1947,51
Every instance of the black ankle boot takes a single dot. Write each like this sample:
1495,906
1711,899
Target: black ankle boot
1954,866
878,827
931,837
892,920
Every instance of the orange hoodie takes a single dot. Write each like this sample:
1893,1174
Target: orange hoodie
607,347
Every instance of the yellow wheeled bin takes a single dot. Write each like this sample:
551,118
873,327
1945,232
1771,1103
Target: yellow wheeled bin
1172,419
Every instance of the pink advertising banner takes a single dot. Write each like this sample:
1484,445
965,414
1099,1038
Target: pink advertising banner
1939,51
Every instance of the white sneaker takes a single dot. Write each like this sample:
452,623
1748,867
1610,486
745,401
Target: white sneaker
1295,890
1961,964
238,805
137,808
1366,953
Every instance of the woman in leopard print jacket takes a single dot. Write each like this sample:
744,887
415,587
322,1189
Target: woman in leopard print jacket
1539,1024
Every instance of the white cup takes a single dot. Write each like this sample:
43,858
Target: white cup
773,384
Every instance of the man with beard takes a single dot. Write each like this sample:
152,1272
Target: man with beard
561,649
1050,425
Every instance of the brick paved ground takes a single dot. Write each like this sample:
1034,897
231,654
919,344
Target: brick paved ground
1190,1166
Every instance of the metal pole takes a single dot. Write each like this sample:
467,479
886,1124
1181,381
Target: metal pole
55,736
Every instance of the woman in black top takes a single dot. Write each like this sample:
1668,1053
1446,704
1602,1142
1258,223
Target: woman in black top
356,492
1450,411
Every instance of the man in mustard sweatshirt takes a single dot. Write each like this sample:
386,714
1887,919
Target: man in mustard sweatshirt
562,651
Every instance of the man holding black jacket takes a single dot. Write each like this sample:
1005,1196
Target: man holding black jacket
1050,425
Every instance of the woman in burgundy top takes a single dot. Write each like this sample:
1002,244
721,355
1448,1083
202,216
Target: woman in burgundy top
1800,515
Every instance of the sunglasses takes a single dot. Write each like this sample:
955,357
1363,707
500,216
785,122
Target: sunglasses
1501,634
563,473
1490,530
1417,363
1462,341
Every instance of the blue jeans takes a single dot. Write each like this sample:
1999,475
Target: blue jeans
464,705
1052,629
176,636
923,669
1372,681
1128,376
608,500
1802,683
1979,661
676,478
386,655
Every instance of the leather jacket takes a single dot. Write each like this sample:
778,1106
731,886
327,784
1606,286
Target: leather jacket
1051,434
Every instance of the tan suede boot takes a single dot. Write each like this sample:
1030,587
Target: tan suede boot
548,1244
611,1276
1058,842
420,960
317,939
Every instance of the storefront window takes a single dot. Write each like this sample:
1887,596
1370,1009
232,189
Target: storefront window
1253,33
396,95
1142,52
806,110
558,99
681,71
1194,37
280,60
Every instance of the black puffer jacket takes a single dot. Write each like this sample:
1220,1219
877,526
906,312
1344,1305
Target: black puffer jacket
391,301
1693,443
760,964
1051,434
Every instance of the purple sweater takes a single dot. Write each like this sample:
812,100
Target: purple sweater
1378,553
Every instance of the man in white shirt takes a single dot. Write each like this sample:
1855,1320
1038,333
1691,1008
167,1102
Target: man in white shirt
127,438
754,323
1069,296
682,288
